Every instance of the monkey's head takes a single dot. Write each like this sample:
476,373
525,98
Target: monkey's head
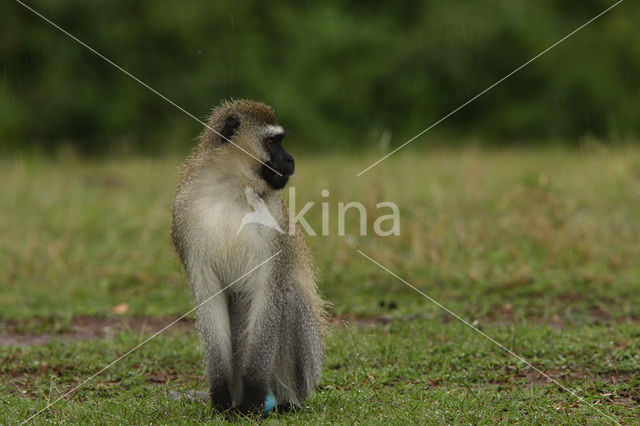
248,131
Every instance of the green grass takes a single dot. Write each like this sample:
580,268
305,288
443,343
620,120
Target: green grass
538,248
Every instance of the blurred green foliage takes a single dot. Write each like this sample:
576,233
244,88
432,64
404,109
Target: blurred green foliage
340,74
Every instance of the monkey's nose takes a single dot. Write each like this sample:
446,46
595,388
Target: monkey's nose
289,165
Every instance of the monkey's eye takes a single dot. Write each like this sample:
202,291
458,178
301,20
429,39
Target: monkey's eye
272,141
269,142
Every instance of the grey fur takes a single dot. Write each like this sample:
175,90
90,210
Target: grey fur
264,333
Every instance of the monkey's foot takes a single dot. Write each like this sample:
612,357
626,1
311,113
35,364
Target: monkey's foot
270,403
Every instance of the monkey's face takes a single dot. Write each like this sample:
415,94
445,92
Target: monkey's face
279,165
253,128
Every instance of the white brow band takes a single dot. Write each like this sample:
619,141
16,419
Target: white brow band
274,129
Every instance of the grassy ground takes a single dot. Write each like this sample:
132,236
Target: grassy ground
539,249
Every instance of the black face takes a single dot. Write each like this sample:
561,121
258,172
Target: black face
279,160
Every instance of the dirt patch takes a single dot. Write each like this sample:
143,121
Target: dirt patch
39,331
347,320
505,315
350,319
535,378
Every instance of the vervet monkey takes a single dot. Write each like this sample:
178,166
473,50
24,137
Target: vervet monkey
262,334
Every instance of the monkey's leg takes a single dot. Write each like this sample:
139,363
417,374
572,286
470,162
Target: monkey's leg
259,351
299,364
213,323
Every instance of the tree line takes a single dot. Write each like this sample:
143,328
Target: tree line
341,75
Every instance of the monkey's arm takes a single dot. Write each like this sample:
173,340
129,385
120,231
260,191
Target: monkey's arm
304,342
213,323
263,329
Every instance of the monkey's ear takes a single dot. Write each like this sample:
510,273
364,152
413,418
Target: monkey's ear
231,124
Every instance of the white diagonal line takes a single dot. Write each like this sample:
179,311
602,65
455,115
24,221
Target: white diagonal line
490,338
142,83
491,87
149,338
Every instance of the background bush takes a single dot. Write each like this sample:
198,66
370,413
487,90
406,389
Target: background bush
340,74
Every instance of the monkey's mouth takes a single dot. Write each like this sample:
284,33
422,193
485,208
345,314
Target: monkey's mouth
277,179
